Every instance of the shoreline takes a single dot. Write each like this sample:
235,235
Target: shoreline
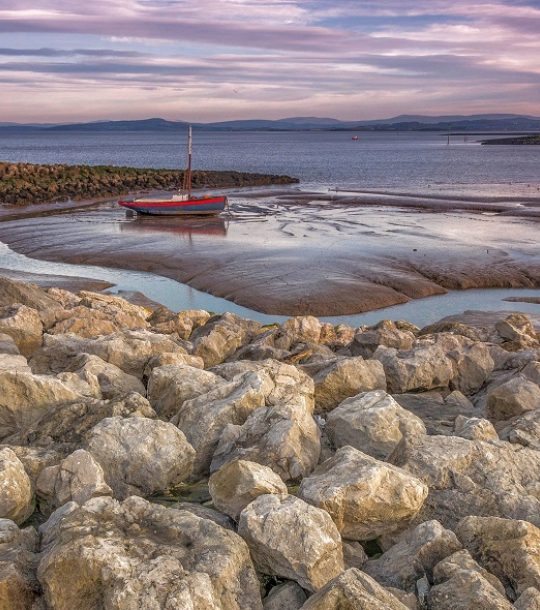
318,276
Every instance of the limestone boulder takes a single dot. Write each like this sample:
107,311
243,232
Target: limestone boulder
129,350
438,412
19,589
221,336
84,322
417,551
63,427
14,363
23,324
291,539
13,292
528,600
284,437
353,590
25,398
474,428
110,379
372,422
179,358
16,497
522,430
340,378
238,483
63,297
140,456
366,498
122,312
437,361
35,459
463,561
385,333
303,329
507,548
468,477
512,398
517,332
8,345
467,591
140,555
288,596
77,478
532,371
182,323
203,419
170,386
354,555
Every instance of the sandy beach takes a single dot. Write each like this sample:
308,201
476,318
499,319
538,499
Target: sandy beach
289,252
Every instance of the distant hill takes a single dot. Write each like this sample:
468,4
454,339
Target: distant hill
472,123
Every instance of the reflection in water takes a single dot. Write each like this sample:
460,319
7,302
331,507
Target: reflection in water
183,226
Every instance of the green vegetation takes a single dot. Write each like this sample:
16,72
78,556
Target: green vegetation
516,141
25,183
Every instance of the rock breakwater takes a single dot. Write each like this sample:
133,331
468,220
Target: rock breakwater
157,460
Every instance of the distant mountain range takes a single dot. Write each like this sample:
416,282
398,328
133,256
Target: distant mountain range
472,123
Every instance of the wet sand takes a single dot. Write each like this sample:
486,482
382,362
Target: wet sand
289,252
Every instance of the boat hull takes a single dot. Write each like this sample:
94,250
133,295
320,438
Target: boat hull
205,205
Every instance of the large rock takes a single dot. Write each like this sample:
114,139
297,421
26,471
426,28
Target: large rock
437,361
506,548
417,552
129,350
463,561
344,377
284,437
77,478
372,422
513,398
176,358
517,332
288,596
182,323
385,333
24,325
303,329
474,428
8,346
25,398
366,498
238,483
467,590
353,590
140,456
111,380
16,499
171,385
437,412
19,588
138,555
528,600
64,426
204,418
14,363
473,478
290,539
13,292
522,430
220,337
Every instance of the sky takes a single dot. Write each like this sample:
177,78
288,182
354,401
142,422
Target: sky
211,60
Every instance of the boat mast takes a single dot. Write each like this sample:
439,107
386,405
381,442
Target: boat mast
187,174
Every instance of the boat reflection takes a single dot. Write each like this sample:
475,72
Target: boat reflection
213,226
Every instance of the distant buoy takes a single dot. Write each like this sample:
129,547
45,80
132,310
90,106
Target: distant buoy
355,138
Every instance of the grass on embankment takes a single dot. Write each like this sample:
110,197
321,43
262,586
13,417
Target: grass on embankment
25,183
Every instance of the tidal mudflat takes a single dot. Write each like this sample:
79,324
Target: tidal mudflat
292,252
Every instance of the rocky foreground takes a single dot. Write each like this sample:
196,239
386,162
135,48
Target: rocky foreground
158,460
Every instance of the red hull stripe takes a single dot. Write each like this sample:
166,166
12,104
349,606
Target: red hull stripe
170,204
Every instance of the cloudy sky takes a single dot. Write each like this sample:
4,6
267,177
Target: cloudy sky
203,60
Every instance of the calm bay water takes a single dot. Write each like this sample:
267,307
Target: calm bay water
395,162
414,162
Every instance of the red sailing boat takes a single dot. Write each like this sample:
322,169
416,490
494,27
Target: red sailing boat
182,203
